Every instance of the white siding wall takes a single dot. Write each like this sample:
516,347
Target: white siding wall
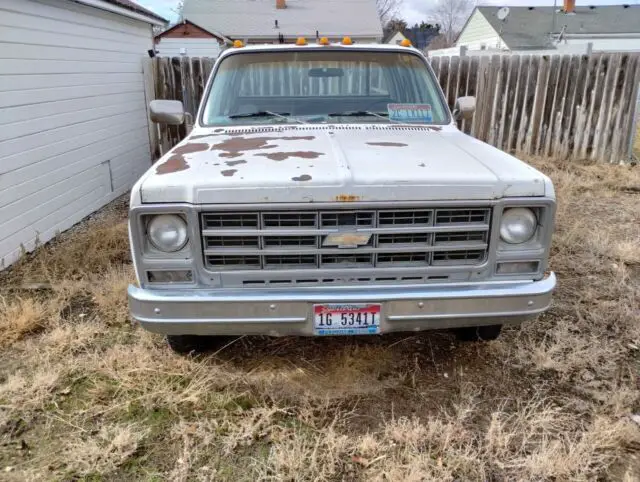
194,47
478,32
73,122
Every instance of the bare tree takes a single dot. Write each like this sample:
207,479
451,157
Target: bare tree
451,16
387,10
178,9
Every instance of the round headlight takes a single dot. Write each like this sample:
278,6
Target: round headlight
167,232
518,225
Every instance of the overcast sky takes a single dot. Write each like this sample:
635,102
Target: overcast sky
412,10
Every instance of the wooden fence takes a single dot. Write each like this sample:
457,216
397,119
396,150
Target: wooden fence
567,107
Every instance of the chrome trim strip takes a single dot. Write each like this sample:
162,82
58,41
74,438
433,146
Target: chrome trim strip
325,231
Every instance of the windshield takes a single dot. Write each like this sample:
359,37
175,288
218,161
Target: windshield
323,86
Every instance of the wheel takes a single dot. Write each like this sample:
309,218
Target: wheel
479,333
185,344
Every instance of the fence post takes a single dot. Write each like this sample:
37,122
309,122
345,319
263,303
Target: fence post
148,75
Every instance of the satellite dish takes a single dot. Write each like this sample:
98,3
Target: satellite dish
503,13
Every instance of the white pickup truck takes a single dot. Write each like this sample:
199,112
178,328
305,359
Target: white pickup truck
326,190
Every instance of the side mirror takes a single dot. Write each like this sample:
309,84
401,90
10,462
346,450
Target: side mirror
166,112
465,107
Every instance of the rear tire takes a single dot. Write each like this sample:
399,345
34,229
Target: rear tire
479,333
186,344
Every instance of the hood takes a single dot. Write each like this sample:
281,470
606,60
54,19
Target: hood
335,163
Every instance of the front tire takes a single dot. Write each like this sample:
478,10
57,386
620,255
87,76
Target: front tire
479,333
186,344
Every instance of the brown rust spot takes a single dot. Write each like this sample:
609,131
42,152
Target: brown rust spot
304,177
235,163
347,198
191,147
387,144
175,163
228,172
234,146
281,156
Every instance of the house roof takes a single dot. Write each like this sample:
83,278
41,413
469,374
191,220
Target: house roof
188,22
529,27
134,7
256,18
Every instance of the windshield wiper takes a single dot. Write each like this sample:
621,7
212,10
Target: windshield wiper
360,113
266,113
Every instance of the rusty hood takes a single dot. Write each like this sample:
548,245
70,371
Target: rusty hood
335,163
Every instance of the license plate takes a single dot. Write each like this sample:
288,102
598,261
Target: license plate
346,319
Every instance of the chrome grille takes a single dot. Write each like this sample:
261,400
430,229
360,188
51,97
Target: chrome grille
280,240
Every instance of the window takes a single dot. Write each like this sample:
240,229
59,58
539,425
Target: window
317,85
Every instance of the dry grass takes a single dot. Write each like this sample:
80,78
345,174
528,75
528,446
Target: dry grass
636,143
83,395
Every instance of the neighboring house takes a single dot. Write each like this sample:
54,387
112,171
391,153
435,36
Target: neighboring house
283,21
187,38
568,29
73,129
394,38
419,37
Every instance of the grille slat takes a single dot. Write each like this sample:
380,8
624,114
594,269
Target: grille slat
225,262
461,216
404,218
404,239
347,218
279,261
463,237
277,240
459,257
232,242
345,260
289,220
289,241
230,220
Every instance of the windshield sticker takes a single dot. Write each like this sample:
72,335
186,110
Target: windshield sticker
419,113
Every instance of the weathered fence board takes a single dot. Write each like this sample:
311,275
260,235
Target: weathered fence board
568,107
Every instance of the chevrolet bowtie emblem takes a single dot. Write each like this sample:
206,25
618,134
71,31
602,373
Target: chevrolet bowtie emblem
347,240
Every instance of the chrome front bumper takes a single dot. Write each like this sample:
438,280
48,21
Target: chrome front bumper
281,312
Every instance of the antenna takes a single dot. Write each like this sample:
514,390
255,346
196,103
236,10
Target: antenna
503,13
